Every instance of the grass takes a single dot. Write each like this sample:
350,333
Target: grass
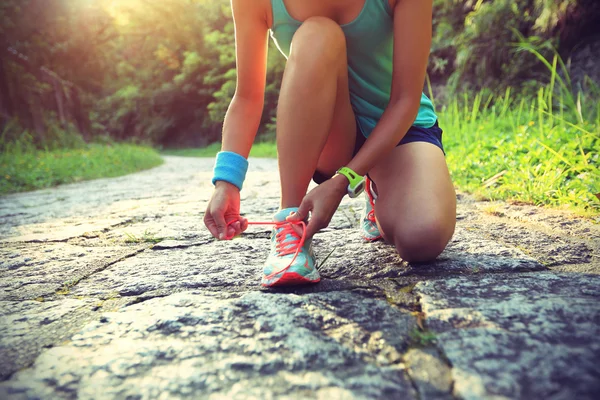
540,152
422,338
543,151
29,169
147,237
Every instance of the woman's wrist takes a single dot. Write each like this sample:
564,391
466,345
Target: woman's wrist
225,185
230,167
341,184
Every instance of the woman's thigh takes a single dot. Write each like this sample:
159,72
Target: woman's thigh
416,205
319,47
339,148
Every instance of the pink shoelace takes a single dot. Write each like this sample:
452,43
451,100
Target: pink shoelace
283,247
371,213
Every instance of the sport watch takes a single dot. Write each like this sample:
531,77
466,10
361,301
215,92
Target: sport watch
357,182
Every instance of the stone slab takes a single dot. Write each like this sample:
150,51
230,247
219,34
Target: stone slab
29,271
27,327
469,252
188,345
342,254
549,247
429,373
522,336
186,184
61,230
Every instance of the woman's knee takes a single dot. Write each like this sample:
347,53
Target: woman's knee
320,39
420,242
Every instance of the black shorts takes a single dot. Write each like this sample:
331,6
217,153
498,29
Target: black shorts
431,135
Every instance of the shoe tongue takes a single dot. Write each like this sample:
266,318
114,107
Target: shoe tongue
281,215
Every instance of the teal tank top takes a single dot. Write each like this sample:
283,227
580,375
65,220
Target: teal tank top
370,43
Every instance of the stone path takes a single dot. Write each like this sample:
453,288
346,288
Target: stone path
114,289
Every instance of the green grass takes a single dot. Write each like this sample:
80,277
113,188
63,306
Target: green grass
22,170
540,152
147,237
262,150
422,338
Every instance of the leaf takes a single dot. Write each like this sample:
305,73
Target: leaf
420,319
327,258
491,181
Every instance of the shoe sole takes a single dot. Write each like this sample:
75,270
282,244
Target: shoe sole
371,239
289,279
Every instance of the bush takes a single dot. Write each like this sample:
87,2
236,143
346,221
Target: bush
476,39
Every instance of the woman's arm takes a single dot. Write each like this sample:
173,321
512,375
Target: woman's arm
412,40
244,113
222,216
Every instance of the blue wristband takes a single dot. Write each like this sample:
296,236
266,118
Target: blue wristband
230,167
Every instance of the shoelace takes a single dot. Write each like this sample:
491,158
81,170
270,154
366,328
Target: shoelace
371,213
283,247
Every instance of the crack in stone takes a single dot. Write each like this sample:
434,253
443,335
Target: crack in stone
45,240
85,235
142,299
12,215
435,275
182,245
67,287
432,346
413,383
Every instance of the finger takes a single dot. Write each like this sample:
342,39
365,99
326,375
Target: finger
230,233
210,224
221,226
237,228
313,226
244,223
300,215
298,229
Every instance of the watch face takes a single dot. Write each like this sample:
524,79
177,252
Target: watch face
358,189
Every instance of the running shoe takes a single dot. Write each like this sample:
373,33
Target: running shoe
291,260
368,224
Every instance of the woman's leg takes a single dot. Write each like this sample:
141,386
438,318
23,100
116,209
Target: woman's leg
416,204
315,131
315,123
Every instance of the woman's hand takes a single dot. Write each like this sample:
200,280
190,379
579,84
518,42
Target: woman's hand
224,207
323,201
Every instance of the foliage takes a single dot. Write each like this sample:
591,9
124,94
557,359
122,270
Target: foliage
473,40
23,168
164,72
56,136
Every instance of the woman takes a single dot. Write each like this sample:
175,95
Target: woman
350,103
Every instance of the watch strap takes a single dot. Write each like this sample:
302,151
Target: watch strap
356,182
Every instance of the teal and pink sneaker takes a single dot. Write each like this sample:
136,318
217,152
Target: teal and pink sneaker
291,260
368,225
